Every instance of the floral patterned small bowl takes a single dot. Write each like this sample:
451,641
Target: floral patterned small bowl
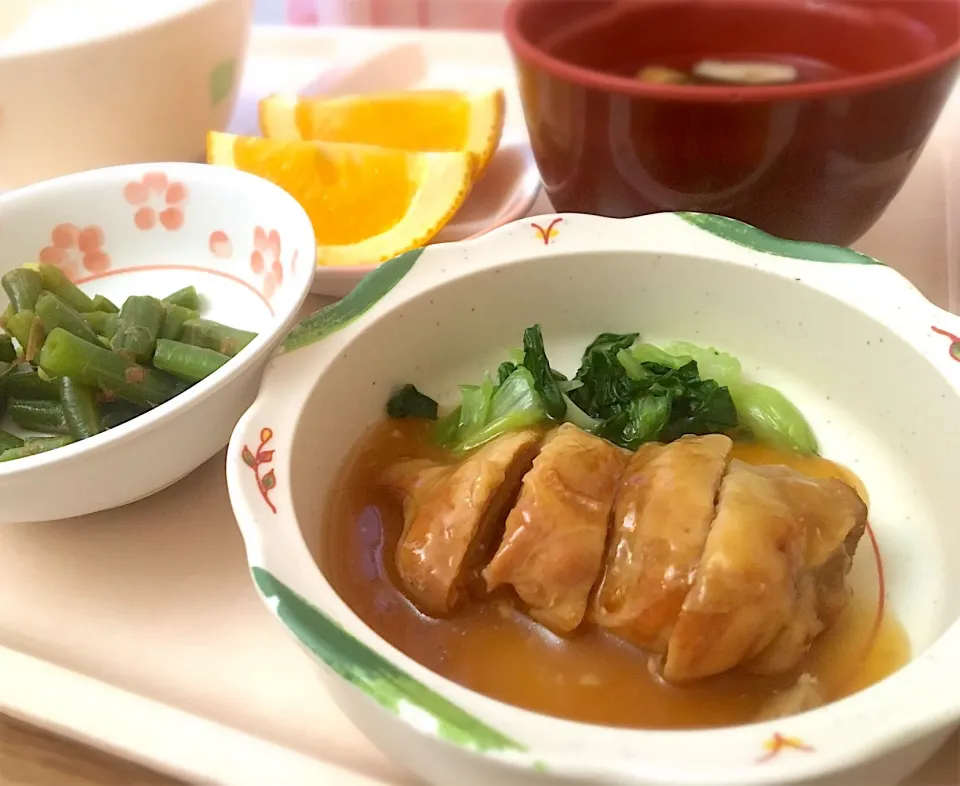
872,364
152,229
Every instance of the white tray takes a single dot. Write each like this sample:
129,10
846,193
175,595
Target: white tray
138,630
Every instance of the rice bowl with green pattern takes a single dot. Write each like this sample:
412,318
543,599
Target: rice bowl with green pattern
873,366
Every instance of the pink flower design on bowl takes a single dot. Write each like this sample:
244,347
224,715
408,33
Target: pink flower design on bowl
265,259
157,199
220,245
72,248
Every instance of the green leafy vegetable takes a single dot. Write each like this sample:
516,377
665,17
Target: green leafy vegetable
773,419
476,402
447,429
648,353
703,407
718,366
504,371
637,402
768,415
408,402
626,392
642,420
516,405
605,382
536,362
578,417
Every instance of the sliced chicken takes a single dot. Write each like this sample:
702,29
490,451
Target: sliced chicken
805,695
831,511
746,585
834,519
773,573
414,478
830,578
451,513
794,639
552,550
664,508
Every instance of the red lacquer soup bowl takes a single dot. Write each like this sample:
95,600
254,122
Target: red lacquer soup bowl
816,159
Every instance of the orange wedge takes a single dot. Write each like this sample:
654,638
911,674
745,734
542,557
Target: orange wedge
367,204
421,120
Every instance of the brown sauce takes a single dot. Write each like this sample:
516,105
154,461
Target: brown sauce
493,648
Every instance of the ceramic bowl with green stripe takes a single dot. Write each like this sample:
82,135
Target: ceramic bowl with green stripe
872,364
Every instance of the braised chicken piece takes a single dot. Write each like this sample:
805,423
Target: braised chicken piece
834,519
553,547
794,639
450,514
772,575
745,589
833,593
663,511
414,478
832,512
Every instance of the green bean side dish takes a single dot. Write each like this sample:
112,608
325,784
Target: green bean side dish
73,366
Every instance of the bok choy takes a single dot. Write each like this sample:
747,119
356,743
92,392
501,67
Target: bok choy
625,391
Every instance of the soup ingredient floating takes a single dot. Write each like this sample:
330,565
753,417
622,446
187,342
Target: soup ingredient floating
438,121
367,204
625,391
725,72
735,72
75,366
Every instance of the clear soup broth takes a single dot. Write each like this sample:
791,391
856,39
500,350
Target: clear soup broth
492,647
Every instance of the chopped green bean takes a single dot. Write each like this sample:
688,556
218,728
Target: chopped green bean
104,323
101,303
8,441
187,361
25,383
65,355
116,413
140,319
212,335
54,280
80,409
36,415
23,287
186,297
35,447
73,364
8,352
54,313
19,326
174,319
35,339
